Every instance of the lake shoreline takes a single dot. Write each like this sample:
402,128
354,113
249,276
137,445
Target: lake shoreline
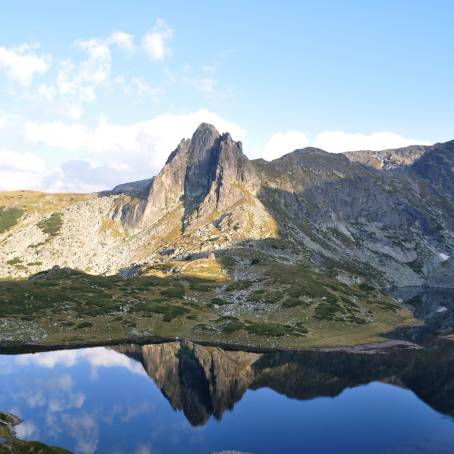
11,347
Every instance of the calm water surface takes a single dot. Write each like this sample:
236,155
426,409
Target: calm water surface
184,398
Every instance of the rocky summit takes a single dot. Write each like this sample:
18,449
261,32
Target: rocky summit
311,229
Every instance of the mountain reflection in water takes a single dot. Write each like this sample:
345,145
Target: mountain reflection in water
102,399
205,381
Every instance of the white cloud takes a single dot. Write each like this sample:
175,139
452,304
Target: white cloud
12,160
279,144
22,63
4,119
134,86
57,134
118,152
20,170
26,430
77,81
206,85
97,67
155,42
122,40
340,141
282,143
96,357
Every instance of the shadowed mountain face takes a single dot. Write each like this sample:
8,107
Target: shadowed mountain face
206,381
436,167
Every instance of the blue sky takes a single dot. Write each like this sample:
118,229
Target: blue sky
94,93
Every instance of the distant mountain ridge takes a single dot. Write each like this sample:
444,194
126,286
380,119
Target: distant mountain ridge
388,159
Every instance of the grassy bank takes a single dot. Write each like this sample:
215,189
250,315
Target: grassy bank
285,306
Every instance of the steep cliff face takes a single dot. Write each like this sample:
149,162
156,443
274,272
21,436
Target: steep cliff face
205,174
437,168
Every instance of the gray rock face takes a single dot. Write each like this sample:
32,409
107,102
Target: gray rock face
200,176
388,159
135,188
437,168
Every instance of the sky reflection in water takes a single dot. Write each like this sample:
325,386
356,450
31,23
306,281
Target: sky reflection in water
102,400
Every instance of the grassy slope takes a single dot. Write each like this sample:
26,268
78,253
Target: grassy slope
271,302
14,445
285,306
40,202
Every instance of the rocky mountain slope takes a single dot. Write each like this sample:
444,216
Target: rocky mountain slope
217,247
385,218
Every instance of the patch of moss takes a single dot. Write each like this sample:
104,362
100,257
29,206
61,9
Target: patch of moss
83,325
15,261
267,329
9,217
231,324
219,301
295,292
173,292
51,226
197,285
239,285
365,287
292,302
326,311
228,261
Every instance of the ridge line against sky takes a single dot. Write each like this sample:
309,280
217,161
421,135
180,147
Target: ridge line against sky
90,103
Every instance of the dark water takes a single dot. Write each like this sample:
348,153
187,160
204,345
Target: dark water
184,398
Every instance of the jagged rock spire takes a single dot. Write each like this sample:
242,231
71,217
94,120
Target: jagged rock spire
198,176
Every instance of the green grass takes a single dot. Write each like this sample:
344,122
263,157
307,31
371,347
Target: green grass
327,311
11,444
51,226
71,306
173,292
365,287
9,217
219,301
268,329
239,285
15,261
292,302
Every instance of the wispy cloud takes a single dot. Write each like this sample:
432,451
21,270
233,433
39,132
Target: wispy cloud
23,63
156,41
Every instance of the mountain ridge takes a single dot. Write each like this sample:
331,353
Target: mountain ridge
397,219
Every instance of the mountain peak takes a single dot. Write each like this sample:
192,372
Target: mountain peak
205,131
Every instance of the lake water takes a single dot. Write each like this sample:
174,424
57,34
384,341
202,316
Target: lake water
185,398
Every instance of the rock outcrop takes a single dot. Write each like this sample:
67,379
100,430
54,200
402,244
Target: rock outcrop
388,159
